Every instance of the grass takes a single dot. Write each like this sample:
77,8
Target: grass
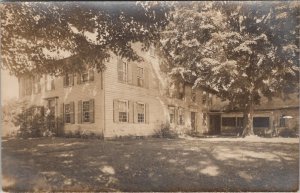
65,164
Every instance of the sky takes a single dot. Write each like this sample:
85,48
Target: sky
9,86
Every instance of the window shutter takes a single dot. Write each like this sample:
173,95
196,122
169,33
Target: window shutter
147,113
146,77
91,75
72,79
116,111
65,80
62,112
52,84
135,115
72,113
130,109
79,111
134,74
176,116
120,69
78,78
31,85
129,73
92,111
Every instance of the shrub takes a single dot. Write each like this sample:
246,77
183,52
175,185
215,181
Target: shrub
165,131
33,123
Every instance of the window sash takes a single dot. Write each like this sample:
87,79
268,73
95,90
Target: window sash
141,112
86,111
123,111
140,76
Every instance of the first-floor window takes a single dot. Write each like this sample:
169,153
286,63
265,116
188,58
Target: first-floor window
86,111
204,117
123,111
67,113
172,114
181,116
282,121
141,112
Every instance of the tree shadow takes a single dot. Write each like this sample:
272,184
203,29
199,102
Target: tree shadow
148,165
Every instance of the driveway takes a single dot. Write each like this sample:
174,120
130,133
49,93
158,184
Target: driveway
221,164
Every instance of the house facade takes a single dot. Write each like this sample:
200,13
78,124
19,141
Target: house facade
126,99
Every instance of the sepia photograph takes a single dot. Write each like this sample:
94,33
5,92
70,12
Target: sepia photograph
149,96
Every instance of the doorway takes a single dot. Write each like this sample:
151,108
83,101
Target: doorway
51,109
215,124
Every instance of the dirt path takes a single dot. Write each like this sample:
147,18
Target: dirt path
150,165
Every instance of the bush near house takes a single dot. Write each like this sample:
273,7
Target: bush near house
165,131
33,122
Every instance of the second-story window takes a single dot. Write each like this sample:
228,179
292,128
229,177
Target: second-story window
68,80
86,76
122,71
37,84
28,86
140,76
49,83
193,97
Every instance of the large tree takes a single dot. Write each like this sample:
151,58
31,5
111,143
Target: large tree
37,36
239,51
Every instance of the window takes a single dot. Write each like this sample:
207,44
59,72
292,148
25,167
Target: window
141,112
37,84
140,76
86,76
181,116
86,111
228,121
172,114
261,122
152,51
67,113
204,119
180,91
193,97
123,111
204,98
49,83
122,71
68,80
28,86
282,121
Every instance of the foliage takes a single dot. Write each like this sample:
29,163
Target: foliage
44,33
239,51
164,131
32,123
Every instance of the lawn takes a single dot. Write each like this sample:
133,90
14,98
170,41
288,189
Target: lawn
222,164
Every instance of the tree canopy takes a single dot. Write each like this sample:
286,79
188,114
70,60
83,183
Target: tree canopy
37,36
239,51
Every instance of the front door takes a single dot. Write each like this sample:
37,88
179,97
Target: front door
51,107
193,120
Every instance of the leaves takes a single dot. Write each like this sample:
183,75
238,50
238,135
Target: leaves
36,37
243,49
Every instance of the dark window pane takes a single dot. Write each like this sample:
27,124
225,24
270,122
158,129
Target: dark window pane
228,121
261,122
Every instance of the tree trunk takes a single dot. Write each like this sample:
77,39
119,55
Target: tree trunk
248,121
